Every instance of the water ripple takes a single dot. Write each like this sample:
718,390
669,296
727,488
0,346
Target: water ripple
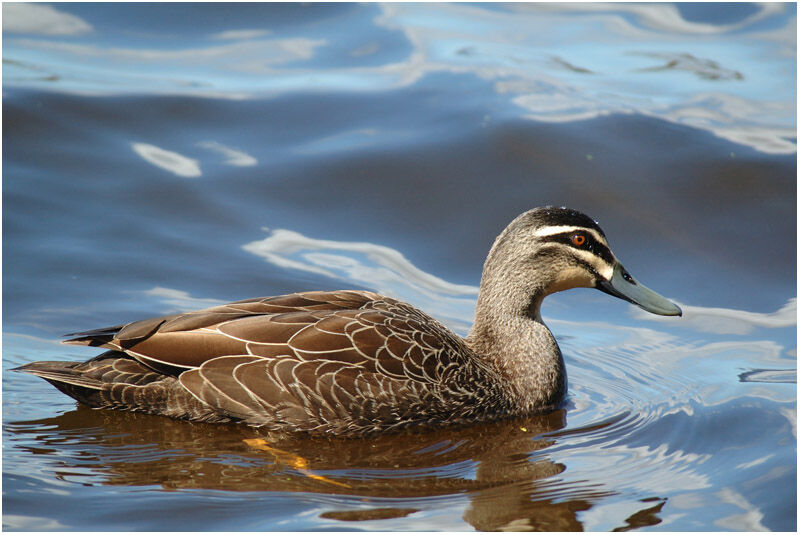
511,46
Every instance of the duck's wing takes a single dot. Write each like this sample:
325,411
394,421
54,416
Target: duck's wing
175,343
316,361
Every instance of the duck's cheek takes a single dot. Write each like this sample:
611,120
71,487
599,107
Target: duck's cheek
571,277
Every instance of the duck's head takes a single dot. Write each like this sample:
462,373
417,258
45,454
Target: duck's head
547,250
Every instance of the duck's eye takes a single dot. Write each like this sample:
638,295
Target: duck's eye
578,239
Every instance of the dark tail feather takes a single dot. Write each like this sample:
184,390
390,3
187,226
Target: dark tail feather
126,335
120,382
59,371
96,337
63,376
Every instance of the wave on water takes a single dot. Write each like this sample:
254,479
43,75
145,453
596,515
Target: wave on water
715,77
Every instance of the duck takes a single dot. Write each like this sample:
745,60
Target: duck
353,362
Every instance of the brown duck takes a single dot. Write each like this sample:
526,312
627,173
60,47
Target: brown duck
354,362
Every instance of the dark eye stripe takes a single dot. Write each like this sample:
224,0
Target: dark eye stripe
591,245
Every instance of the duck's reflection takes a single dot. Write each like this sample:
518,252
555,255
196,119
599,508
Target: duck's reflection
502,466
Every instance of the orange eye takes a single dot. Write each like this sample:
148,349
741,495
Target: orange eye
578,239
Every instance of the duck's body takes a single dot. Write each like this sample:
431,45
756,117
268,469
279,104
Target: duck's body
353,362
342,362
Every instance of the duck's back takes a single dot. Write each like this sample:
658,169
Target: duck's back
345,362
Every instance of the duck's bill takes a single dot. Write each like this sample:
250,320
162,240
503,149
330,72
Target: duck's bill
625,287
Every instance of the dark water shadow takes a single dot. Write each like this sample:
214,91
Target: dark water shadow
502,467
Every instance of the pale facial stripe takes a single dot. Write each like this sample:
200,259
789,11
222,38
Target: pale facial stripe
603,268
562,229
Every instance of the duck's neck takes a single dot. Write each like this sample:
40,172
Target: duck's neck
510,336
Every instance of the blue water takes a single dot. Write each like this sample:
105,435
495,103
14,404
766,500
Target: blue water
168,157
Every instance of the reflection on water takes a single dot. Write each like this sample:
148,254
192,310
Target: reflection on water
168,160
769,376
137,449
180,301
508,44
186,167
379,268
727,321
234,157
496,465
41,20
704,68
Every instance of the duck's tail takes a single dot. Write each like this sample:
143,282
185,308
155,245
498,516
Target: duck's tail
114,380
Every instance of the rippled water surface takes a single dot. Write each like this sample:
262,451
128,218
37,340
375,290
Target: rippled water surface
165,157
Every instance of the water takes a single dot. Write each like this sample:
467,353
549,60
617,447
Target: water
162,157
